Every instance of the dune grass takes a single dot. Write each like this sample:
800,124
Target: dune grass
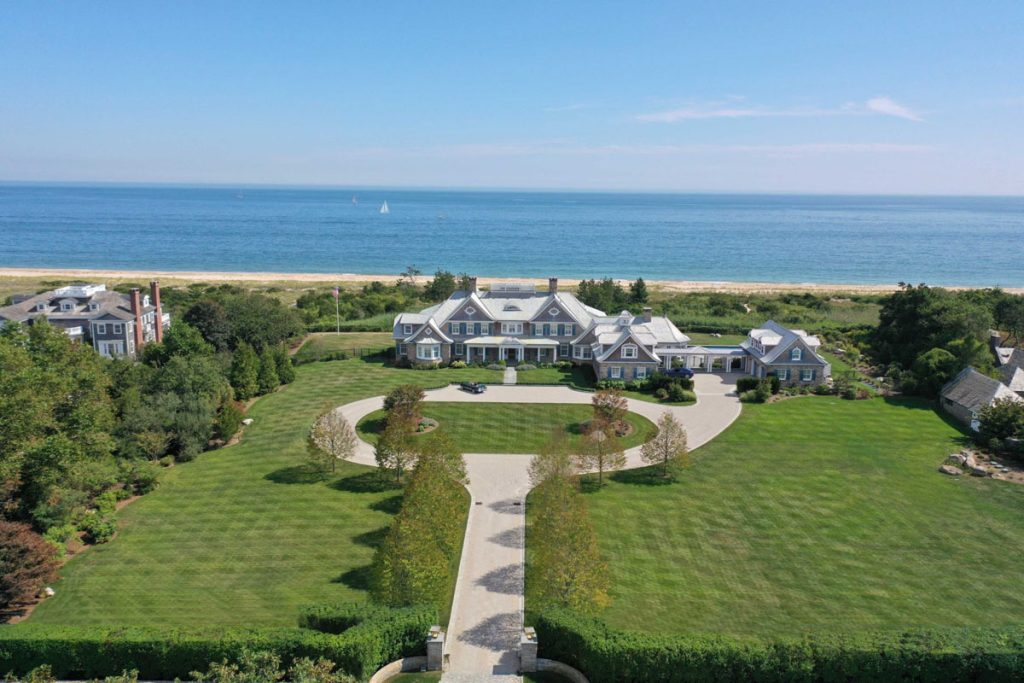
507,427
243,536
815,513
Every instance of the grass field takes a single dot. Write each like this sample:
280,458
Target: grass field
507,427
705,338
815,513
243,536
321,344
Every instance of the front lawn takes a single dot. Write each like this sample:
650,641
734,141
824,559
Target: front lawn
577,377
327,345
243,536
507,427
815,513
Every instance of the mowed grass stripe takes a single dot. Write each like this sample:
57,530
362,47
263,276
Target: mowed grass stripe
508,427
815,513
241,536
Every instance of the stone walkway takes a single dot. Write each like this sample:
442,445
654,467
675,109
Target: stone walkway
487,612
510,376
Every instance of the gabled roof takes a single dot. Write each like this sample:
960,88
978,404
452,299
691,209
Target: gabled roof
431,328
108,303
503,306
780,339
625,335
1013,377
974,391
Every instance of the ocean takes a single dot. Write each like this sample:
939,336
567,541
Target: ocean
976,241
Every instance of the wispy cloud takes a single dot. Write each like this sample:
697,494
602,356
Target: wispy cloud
889,107
881,105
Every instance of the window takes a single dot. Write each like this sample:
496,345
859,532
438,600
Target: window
65,306
796,354
470,310
41,306
453,328
118,328
783,374
640,372
485,328
563,350
94,307
629,351
511,328
572,330
615,372
407,330
536,329
101,328
428,351
807,375
553,312
458,349
403,349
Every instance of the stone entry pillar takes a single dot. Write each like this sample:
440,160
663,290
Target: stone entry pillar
435,649
528,650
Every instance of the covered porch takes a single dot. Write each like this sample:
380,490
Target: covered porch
512,350
708,358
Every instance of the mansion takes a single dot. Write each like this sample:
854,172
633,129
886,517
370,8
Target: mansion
516,323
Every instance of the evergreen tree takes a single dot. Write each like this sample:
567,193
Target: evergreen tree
285,368
245,370
267,377
638,291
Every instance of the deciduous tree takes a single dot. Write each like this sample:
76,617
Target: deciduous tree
334,440
403,404
601,450
667,449
27,563
610,408
395,450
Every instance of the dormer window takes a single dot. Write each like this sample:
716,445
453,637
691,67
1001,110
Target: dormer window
629,351
407,330
94,307
41,306
796,354
66,306
511,307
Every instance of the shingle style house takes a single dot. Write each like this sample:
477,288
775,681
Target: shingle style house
1012,371
115,324
969,392
517,323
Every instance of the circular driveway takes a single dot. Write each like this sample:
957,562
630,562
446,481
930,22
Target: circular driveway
487,611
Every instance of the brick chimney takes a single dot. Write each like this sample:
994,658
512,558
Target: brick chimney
136,301
472,286
647,314
154,294
552,285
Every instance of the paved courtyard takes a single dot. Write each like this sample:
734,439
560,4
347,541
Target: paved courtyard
487,613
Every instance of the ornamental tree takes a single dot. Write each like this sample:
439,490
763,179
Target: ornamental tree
334,440
668,447
27,563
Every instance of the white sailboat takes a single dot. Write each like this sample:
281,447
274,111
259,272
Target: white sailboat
384,208
354,200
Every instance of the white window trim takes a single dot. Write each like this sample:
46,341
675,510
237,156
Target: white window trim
796,354
806,375
563,349
629,351
118,328
553,312
641,372
428,351
615,372
101,328
511,328
403,349
783,374
406,329
459,349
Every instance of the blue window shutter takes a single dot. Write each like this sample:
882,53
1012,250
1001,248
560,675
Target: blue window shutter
609,373
462,328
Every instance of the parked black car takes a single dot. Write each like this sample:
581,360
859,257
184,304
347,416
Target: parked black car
474,387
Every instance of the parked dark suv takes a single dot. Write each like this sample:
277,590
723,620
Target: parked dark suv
474,387
679,372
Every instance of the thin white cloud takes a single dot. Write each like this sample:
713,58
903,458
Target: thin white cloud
885,106
889,107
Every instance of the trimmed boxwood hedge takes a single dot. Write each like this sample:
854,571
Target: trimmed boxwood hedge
606,655
358,638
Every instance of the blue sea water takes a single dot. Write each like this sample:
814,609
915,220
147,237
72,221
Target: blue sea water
772,238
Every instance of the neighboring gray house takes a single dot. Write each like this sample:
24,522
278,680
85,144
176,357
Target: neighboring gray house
969,392
516,323
1012,371
115,324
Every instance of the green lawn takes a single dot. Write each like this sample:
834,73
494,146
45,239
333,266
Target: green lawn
840,364
242,536
321,344
577,377
815,513
507,427
705,339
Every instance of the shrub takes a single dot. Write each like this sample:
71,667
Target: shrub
523,367
606,655
863,394
747,384
634,385
564,365
457,364
849,393
678,394
367,637
752,396
775,383
229,420
495,366
823,390
661,394
27,563
611,384
97,527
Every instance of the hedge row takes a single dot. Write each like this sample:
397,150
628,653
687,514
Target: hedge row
606,655
373,637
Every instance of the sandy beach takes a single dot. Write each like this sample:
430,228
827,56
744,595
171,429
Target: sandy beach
354,279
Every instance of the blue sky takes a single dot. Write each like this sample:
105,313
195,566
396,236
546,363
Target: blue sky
869,97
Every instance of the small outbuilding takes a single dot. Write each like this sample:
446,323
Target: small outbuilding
969,392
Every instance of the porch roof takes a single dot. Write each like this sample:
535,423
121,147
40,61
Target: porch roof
510,341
